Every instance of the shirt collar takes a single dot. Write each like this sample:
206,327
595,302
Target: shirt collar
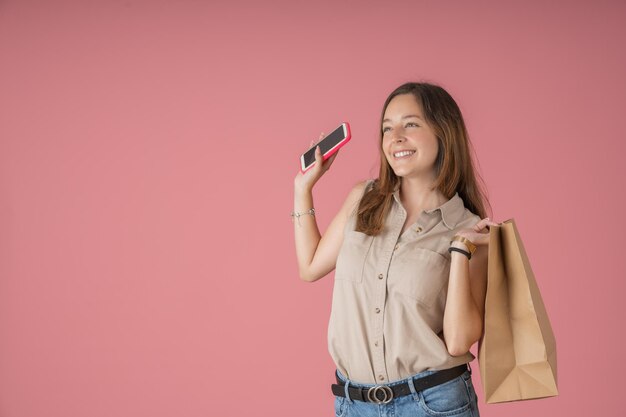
451,211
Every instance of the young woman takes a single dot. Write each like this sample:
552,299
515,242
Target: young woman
409,251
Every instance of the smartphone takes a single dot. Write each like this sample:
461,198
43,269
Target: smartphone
329,145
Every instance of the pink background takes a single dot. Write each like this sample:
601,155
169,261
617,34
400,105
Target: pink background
147,157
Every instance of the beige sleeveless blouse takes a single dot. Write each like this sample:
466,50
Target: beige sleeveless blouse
386,320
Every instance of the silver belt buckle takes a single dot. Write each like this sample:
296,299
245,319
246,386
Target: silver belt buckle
372,394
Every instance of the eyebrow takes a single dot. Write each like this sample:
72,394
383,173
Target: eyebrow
405,117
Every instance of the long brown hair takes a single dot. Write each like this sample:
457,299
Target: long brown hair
454,166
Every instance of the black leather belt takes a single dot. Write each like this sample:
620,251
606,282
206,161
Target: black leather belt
382,394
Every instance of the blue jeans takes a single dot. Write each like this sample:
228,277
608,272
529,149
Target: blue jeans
453,398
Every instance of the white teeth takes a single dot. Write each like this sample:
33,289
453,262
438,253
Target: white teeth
403,153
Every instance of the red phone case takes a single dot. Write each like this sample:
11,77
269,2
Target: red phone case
333,150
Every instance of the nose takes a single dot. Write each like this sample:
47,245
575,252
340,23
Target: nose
397,136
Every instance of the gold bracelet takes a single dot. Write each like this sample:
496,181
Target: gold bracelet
471,246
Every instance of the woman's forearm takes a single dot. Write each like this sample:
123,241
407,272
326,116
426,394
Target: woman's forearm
307,234
462,321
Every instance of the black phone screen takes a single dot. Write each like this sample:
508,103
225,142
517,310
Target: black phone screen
325,145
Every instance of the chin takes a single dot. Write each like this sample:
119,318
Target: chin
401,171
406,173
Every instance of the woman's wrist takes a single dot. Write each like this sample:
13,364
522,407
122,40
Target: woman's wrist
459,245
460,250
303,190
469,245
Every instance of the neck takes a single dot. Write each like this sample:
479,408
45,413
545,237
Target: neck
417,194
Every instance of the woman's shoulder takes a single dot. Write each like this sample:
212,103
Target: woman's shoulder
356,194
361,187
465,217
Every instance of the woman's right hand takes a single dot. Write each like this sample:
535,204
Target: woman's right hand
306,181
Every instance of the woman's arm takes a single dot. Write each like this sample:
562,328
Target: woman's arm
467,286
317,255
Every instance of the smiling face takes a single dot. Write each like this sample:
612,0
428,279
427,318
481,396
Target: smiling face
409,144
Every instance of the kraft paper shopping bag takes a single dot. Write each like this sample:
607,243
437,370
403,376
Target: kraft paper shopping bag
517,351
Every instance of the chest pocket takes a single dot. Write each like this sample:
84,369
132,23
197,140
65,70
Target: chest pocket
418,273
352,255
